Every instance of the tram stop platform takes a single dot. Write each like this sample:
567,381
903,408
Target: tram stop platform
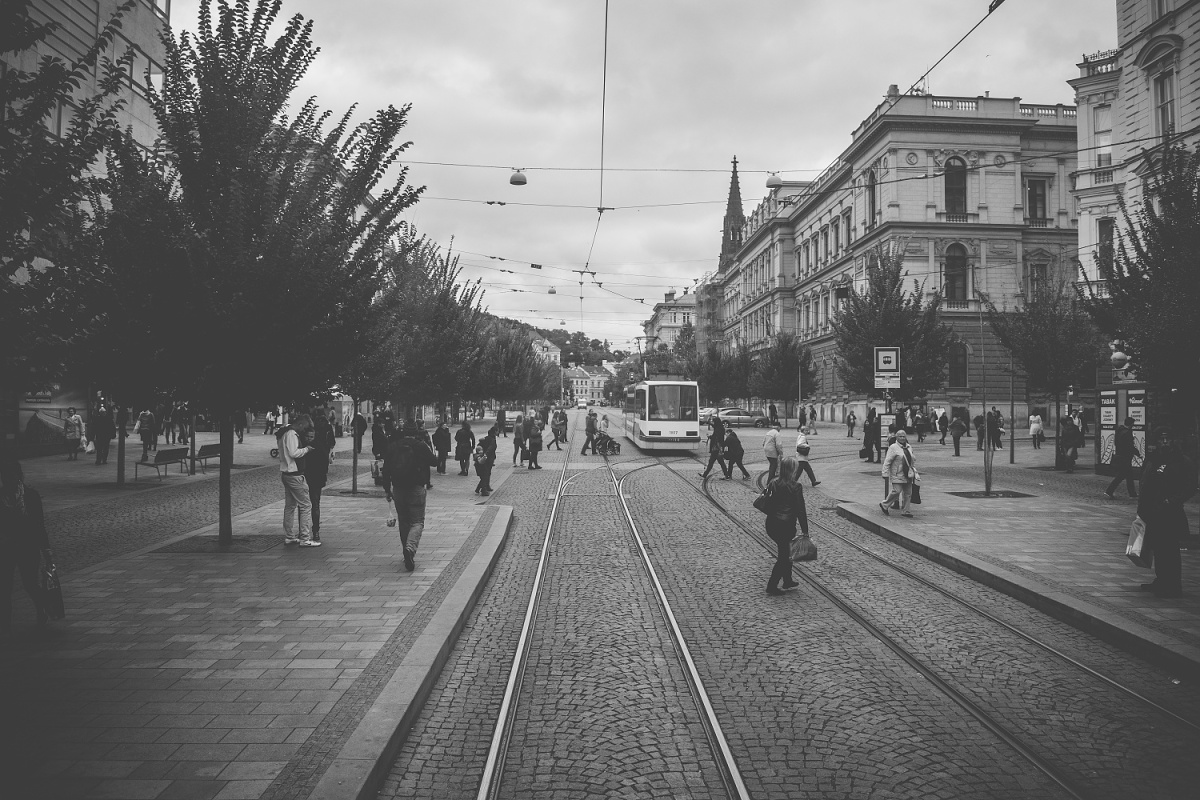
261,671
1056,542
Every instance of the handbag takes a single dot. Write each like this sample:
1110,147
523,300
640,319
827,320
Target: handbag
763,502
864,452
1135,548
915,497
803,548
52,598
803,449
377,472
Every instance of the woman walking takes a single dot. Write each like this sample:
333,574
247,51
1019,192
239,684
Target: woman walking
899,470
441,443
534,445
519,439
74,433
802,450
785,501
1035,430
22,539
464,446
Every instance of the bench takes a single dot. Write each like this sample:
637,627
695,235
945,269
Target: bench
206,452
163,459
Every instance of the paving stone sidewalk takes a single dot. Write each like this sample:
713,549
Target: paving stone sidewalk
1061,548
181,671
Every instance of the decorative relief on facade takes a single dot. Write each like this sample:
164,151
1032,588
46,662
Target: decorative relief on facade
915,247
972,245
999,161
1001,247
911,158
940,156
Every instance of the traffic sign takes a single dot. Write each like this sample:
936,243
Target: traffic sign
887,367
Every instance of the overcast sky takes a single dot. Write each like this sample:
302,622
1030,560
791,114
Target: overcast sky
781,84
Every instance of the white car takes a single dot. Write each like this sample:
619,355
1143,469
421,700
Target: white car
581,403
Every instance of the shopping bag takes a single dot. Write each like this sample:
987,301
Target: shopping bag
803,548
52,598
1136,547
391,520
89,447
915,497
377,472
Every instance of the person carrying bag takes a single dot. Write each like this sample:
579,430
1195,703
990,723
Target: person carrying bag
783,503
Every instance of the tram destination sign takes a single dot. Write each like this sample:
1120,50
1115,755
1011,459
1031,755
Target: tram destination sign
887,367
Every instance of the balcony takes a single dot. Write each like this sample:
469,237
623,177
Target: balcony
1037,222
961,305
956,218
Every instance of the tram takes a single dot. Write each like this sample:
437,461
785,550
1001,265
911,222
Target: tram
663,414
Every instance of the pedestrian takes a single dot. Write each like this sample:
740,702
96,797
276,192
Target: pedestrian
425,437
899,469
501,419
23,537
168,424
528,426
533,444
441,443
1069,439
812,418
943,423
773,413
851,421
73,431
773,449
920,425
558,427
358,427
802,414
464,446
239,424
379,437
873,433
590,430
145,429
1124,451
1080,425
103,431
293,449
518,439
785,501
485,459
734,453
1168,481
957,428
183,420
270,426
1035,430
979,423
716,448
995,427
803,448
405,476
316,466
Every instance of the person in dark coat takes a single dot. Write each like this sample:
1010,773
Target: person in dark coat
533,444
734,453
1069,440
485,459
872,432
943,424
501,418
22,538
1122,460
786,503
957,428
379,437
979,423
358,427
716,447
519,438
441,443
1168,481
407,488
316,465
590,440
464,446
103,431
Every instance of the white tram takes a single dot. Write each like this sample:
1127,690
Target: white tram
663,415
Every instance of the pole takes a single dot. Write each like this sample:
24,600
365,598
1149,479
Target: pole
799,389
1012,414
987,447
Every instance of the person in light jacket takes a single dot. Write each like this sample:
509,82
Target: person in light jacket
73,428
773,449
900,470
802,450
293,447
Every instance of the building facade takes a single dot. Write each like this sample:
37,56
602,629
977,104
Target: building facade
586,382
976,192
668,320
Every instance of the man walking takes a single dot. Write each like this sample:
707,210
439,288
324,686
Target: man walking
358,427
1122,461
734,453
851,420
296,501
590,429
773,450
957,428
405,476
716,447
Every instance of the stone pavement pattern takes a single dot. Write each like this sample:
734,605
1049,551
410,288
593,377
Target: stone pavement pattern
229,675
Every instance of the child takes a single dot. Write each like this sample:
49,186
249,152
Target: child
483,468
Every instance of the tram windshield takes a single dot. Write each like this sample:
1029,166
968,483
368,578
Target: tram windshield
674,402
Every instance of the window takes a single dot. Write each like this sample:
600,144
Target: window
958,366
687,319
955,280
824,311
1102,126
846,222
872,207
1159,8
1035,199
824,245
956,190
1105,229
1037,279
837,235
1164,103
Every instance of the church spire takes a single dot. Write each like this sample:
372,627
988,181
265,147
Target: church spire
734,220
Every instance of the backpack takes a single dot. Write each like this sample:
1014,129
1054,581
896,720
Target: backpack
401,463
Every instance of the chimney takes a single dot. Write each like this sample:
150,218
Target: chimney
670,296
893,93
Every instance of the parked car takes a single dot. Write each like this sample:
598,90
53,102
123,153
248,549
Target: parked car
740,416
706,414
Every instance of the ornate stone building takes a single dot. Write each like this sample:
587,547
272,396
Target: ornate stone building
975,189
668,319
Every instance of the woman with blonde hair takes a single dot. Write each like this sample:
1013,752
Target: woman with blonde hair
785,507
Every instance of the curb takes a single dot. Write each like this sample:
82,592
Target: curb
1162,650
359,768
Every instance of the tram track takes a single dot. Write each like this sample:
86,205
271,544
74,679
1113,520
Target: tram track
502,740
1030,751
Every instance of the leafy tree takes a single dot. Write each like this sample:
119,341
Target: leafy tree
685,342
506,369
886,316
713,371
777,371
1150,297
43,178
284,225
1051,337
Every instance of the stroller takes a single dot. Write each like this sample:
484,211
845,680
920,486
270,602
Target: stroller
607,445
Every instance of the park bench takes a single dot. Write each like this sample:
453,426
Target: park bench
206,452
163,459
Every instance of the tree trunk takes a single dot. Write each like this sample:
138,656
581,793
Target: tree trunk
353,448
122,422
1058,451
225,501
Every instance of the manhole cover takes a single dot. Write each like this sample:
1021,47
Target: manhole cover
998,493
252,543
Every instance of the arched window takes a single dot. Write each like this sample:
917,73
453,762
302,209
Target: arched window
872,205
955,282
956,190
958,366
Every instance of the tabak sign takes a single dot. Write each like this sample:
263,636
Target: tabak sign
42,396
